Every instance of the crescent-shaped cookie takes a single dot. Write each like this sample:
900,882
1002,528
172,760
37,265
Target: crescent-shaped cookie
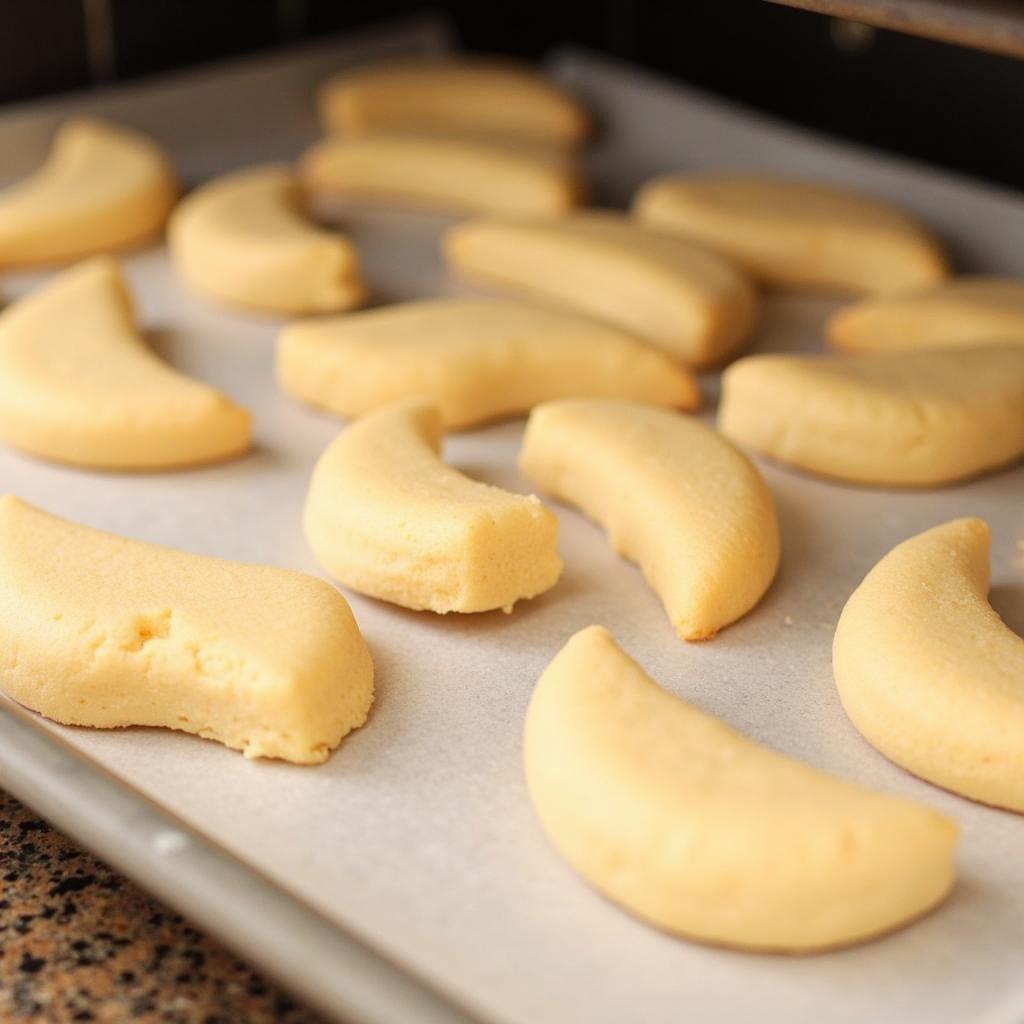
963,312
907,419
448,174
478,359
388,518
79,384
245,239
675,497
101,188
451,96
795,233
104,631
679,296
709,835
929,673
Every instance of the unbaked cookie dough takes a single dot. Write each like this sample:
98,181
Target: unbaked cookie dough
962,312
907,419
675,497
245,239
101,188
464,97
449,174
796,233
929,673
708,835
681,297
389,519
478,359
104,631
78,383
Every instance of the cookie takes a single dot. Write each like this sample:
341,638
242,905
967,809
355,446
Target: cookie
103,631
675,497
451,96
388,518
101,188
962,312
478,359
79,384
245,239
703,833
907,419
796,234
457,175
681,297
929,673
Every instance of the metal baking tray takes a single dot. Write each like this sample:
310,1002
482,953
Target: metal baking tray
407,880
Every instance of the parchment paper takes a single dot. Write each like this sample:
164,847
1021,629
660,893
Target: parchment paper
418,834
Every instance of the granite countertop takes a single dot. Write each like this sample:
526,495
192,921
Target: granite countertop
79,942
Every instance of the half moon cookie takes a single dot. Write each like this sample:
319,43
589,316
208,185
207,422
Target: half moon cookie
909,419
103,631
245,239
78,383
962,312
674,496
388,518
703,833
447,174
681,297
795,233
929,673
101,188
451,96
478,359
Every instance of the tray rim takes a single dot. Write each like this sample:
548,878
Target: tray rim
328,967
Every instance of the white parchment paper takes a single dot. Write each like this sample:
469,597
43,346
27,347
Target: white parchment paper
418,834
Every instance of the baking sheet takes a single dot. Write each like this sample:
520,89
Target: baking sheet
417,834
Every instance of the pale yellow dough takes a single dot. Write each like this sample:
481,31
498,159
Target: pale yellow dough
78,383
929,673
681,297
795,233
487,99
674,496
706,834
388,518
245,239
907,419
101,188
450,174
962,312
477,359
104,631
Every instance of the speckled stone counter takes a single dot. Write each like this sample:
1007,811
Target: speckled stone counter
78,942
